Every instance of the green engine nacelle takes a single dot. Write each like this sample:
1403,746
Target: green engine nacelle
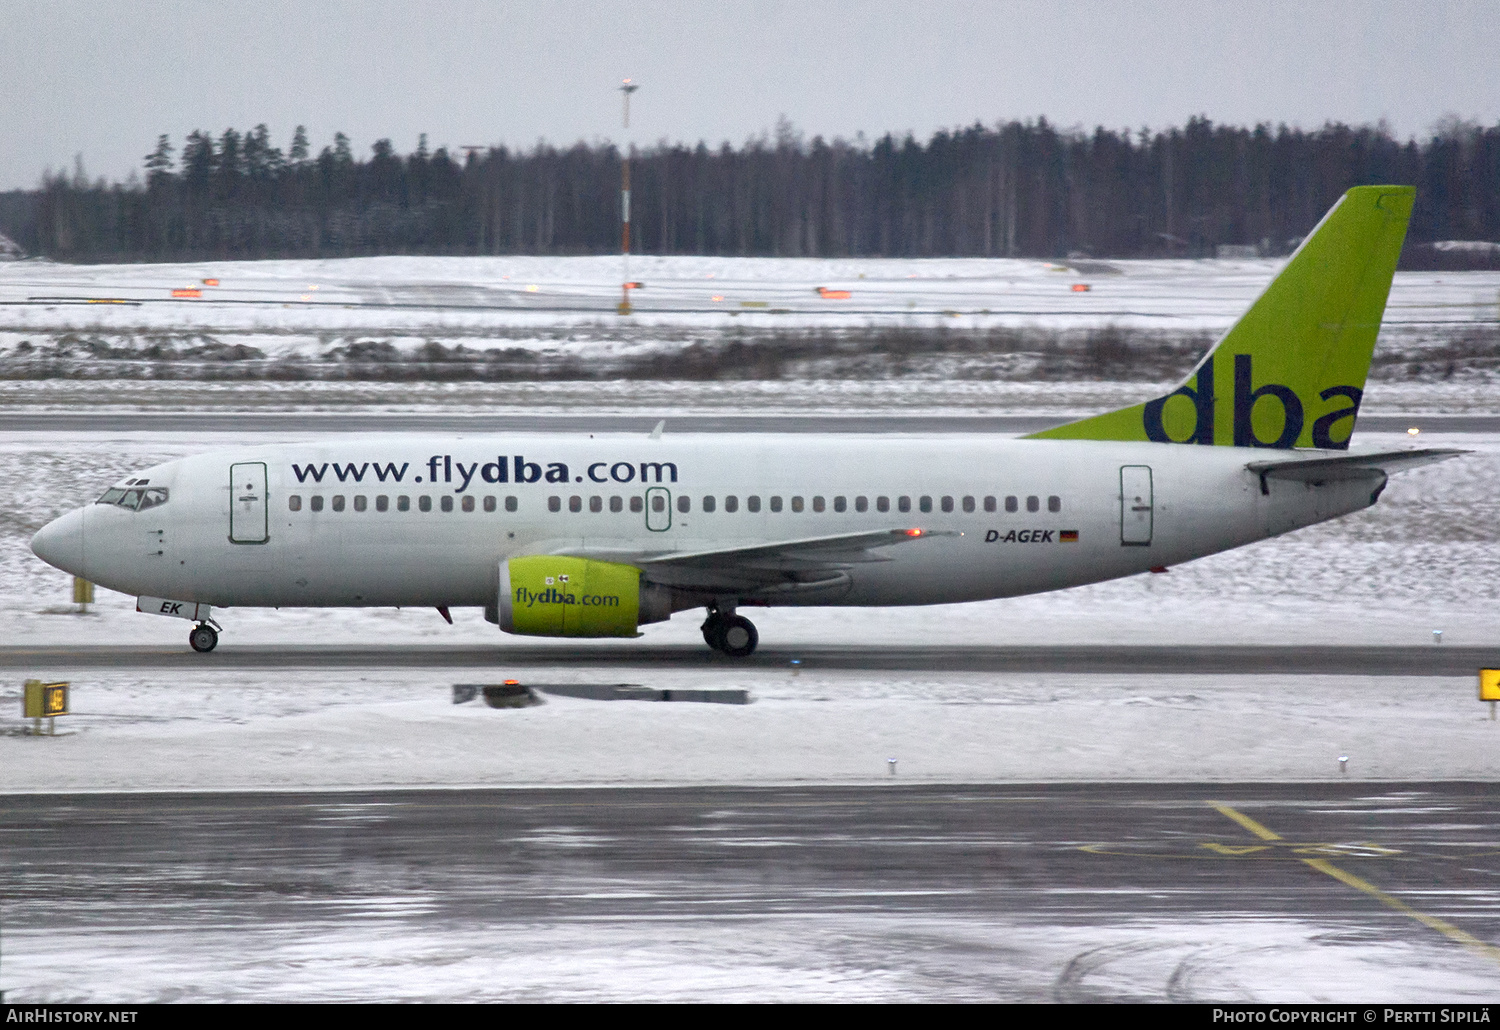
552,596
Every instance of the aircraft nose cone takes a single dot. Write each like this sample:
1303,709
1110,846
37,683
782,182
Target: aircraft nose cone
60,543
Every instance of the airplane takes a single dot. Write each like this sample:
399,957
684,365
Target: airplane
597,535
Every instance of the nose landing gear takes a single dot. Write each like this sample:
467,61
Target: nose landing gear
732,634
203,638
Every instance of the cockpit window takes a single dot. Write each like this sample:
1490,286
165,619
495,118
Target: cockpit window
135,500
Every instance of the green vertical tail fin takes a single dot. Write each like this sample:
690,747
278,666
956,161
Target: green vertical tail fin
1291,372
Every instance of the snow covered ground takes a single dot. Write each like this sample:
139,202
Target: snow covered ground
460,313
318,728
388,294
385,952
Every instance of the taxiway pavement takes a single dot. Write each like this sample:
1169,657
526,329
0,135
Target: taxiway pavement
1058,892
1426,660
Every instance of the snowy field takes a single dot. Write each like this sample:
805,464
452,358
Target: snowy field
315,728
519,318
430,294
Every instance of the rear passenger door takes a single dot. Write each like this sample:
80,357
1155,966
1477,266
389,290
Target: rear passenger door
1136,506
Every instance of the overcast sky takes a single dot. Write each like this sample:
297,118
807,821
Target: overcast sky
104,79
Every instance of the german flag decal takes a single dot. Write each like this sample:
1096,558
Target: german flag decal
1067,536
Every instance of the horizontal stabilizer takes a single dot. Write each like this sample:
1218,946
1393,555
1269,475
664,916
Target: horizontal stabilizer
1348,466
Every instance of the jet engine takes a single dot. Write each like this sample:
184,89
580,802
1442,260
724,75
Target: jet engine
556,596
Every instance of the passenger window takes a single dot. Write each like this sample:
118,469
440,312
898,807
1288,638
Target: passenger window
468,504
839,504
968,504
403,503
684,504
637,505
1033,503
489,503
903,504
947,504
658,503
882,504
315,502
511,504
554,503
752,503
424,503
861,504
338,502
617,503
818,503
731,503
989,504
1010,504
382,502
708,504
925,503
360,503
776,503
596,504
796,504
575,503
447,502
294,502
1054,504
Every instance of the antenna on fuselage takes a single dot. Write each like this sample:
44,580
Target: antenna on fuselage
656,433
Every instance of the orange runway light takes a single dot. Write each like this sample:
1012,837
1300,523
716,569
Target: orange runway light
1081,287
188,293
210,282
828,294
635,286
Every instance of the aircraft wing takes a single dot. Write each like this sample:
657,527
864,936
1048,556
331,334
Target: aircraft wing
1347,466
777,567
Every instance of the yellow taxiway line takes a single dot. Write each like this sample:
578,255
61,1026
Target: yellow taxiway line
1443,927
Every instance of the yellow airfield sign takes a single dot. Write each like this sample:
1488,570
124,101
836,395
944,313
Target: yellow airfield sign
1489,684
45,700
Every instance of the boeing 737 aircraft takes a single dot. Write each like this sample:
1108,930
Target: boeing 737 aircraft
594,536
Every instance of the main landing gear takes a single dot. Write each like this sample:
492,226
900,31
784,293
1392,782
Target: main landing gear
203,638
730,633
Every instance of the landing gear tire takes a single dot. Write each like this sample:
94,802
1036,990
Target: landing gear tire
203,639
737,637
713,631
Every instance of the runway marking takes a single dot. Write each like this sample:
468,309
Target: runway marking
1327,868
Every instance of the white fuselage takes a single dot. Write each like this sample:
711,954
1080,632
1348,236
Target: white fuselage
311,536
